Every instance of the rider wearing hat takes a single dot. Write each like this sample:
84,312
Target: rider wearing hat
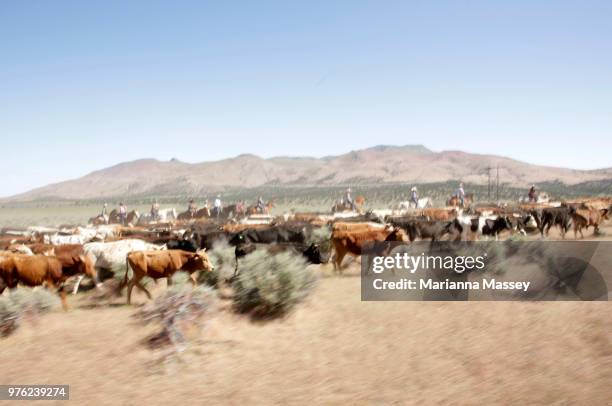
532,194
349,200
104,213
192,208
461,194
155,210
414,197
122,213
261,205
217,206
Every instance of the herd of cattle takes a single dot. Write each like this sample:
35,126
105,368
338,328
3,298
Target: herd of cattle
50,256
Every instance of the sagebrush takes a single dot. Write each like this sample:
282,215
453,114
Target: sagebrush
181,313
270,285
23,303
223,258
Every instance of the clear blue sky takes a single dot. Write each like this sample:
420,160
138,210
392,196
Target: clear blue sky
84,85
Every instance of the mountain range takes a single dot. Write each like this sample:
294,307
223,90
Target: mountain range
380,164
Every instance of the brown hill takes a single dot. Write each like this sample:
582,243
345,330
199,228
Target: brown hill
413,164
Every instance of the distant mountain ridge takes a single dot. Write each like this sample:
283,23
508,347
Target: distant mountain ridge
379,164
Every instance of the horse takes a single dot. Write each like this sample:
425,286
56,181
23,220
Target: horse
344,206
131,217
422,203
454,201
539,198
255,210
204,212
163,215
98,220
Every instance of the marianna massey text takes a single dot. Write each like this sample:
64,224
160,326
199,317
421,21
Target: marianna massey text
430,284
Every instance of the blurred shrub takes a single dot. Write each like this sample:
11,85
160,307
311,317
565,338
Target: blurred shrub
22,303
9,317
37,300
181,314
223,259
320,234
270,285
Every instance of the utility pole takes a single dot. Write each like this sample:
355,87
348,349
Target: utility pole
488,168
497,198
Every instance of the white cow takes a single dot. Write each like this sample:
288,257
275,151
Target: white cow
345,215
42,230
164,215
382,214
473,220
422,203
257,219
101,233
88,232
111,256
57,239
540,198
21,249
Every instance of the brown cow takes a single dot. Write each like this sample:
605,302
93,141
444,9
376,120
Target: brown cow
579,223
32,270
235,228
584,218
40,248
8,240
440,214
163,264
346,226
352,241
73,258
596,203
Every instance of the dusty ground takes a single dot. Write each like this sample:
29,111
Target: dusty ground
333,349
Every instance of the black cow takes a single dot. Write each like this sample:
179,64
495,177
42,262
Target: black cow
362,218
242,250
494,227
186,244
520,224
550,216
311,252
271,235
430,229
208,240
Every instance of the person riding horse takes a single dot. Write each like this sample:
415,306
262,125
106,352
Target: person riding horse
104,214
122,213
460,194
532,194
240,207
261,205
414,197
155,210
217,206
192,208
348,200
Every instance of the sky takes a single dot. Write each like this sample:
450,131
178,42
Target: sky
85,85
